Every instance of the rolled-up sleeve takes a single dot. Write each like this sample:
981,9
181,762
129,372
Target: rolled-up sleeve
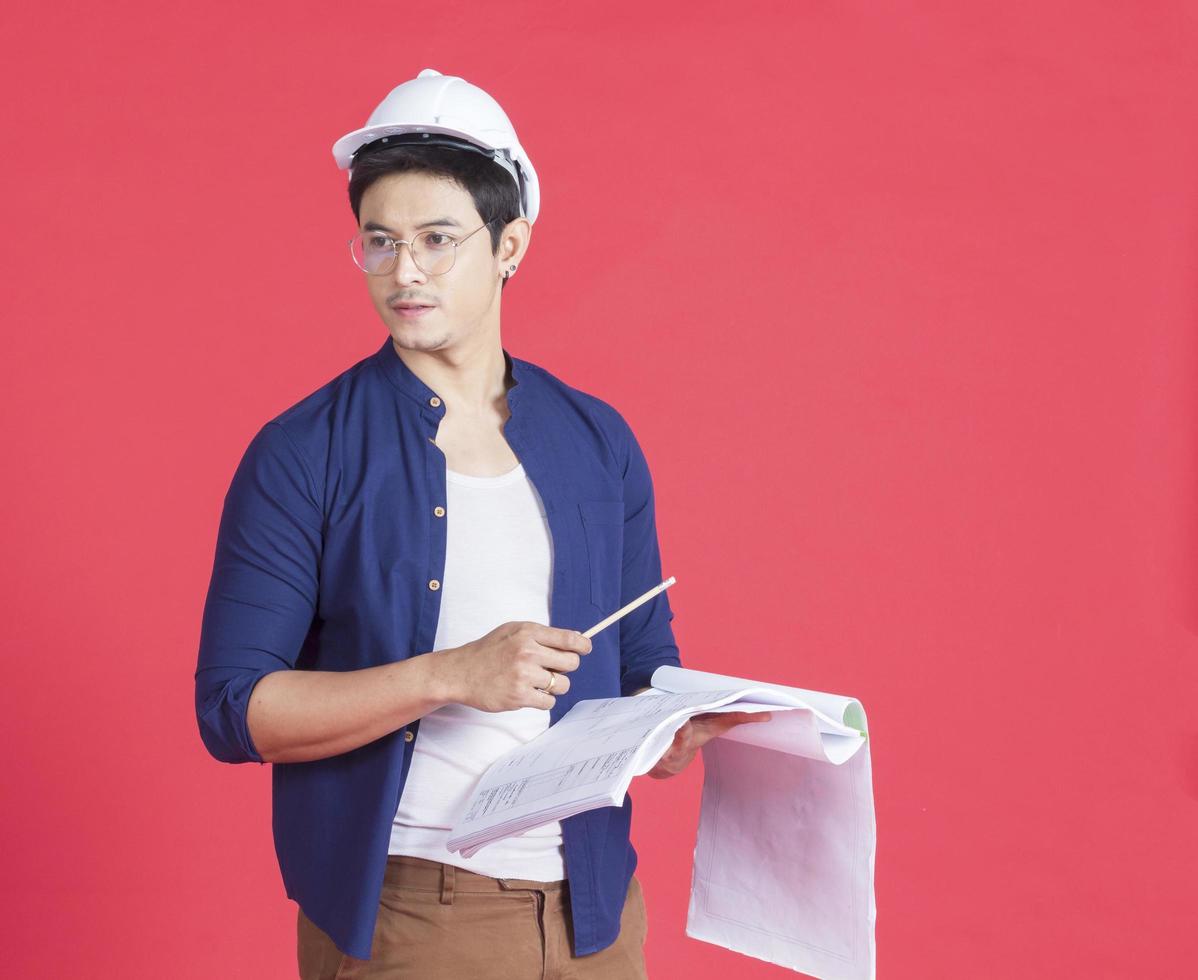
646,637
263,593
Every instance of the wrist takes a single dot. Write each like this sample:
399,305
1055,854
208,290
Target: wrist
441,678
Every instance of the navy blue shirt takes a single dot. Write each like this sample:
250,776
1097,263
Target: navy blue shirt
329,556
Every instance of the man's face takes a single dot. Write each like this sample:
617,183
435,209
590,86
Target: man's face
464,302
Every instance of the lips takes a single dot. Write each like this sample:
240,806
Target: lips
410,311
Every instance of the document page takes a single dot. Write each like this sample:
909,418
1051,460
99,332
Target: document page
589,758
586,760
784,860
828,727
784,857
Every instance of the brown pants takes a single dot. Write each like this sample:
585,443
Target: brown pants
438,922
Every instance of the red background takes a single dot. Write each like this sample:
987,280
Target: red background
900,301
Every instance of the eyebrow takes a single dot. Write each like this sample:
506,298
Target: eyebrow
375,226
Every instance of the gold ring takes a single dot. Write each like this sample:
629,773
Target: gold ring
552,681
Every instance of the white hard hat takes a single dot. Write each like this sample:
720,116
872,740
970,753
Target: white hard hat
443,110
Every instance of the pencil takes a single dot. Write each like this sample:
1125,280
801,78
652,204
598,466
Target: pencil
603,624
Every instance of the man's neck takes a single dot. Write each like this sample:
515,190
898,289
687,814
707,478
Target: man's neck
470,382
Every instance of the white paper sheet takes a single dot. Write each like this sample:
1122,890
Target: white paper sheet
584,761
784,859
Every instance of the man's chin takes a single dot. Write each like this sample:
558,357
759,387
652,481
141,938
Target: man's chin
417,339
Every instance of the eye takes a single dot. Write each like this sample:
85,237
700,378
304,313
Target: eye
377,243
438,240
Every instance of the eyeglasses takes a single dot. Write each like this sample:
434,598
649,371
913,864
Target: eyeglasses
434,252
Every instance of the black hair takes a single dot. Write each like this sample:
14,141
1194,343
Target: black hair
492,188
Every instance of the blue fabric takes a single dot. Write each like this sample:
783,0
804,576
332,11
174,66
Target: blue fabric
326,548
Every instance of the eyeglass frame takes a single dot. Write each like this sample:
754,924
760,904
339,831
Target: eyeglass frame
396,242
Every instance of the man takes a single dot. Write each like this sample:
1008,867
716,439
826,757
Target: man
405,562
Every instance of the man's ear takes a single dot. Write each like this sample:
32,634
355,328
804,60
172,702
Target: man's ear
513,245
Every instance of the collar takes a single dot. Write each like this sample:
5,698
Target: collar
403,378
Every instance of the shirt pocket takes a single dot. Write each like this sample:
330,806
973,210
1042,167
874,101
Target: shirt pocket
603,526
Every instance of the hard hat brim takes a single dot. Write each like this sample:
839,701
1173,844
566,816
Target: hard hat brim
349,144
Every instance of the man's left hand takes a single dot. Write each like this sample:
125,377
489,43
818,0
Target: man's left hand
696,733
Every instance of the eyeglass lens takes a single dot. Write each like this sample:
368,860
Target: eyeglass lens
376,253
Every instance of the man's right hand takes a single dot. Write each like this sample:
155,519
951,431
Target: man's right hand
509,667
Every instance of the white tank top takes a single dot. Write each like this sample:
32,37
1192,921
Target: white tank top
498,568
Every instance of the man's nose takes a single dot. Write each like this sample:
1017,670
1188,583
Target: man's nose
406,269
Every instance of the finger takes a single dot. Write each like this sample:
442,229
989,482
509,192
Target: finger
678,756
713,726
560,685
560,639
540,699
740,715
730,718
734,718
682,738
560,660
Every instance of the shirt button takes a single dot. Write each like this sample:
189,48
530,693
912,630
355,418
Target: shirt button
408,736
439,511
434,585
434,401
